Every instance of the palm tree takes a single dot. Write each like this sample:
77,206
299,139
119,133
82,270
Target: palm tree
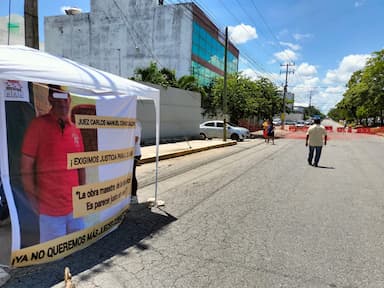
188,82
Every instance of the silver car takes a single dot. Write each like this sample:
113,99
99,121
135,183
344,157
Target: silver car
300,123
214,129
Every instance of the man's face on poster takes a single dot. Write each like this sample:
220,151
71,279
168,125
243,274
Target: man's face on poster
60,102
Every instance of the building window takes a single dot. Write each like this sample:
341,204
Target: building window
210,52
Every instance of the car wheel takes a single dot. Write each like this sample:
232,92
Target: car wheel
235,137
203,136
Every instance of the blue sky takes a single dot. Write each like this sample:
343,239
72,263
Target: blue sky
327,40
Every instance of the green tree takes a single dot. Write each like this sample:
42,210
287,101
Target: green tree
374,78
362,112
311,111
364,96
338,113
188,82
246,98
169,76
152,74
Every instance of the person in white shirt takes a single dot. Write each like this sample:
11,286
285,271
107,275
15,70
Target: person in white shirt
137,157
315,136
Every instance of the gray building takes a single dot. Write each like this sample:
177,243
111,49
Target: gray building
121,35
289,99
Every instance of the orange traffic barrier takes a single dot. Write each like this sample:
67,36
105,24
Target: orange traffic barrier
304,129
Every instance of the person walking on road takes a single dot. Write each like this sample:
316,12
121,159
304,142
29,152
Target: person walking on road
271,132
135,161
316,134
265,126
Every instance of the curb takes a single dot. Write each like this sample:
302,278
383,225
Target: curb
184,152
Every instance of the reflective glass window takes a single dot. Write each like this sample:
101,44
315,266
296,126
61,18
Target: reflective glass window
210,50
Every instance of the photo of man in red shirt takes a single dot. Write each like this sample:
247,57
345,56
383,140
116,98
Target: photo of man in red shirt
45,177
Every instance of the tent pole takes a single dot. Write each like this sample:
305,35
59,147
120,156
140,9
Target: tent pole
157,148
156,202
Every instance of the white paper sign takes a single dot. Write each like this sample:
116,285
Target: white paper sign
15,90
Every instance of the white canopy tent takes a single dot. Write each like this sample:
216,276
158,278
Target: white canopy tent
27,64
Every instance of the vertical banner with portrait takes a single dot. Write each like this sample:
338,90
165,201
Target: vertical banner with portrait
69,168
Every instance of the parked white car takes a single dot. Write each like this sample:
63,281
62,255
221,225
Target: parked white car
276,122
214,129
300,123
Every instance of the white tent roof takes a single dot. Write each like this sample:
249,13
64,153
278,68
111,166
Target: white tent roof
27,64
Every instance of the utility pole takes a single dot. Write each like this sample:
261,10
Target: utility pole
310,98
287,71
31,23
225,86
310,104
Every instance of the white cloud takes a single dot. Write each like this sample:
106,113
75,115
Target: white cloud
298,36
359,3
305,82
306,70
337,79
303,88
242,33
328,98
256,75
251,74
291,45
347,66
286,55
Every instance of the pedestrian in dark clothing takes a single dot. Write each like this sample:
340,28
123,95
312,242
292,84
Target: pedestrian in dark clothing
271,132
134,199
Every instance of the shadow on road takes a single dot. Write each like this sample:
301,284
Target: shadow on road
325,167
140,222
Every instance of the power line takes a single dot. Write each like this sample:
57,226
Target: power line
250,60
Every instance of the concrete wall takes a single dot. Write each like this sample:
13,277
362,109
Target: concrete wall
180,114
99,5
119,37
16,34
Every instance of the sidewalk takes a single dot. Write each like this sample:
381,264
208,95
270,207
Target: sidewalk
171,150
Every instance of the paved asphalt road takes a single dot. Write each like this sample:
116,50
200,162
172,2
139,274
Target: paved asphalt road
249,215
